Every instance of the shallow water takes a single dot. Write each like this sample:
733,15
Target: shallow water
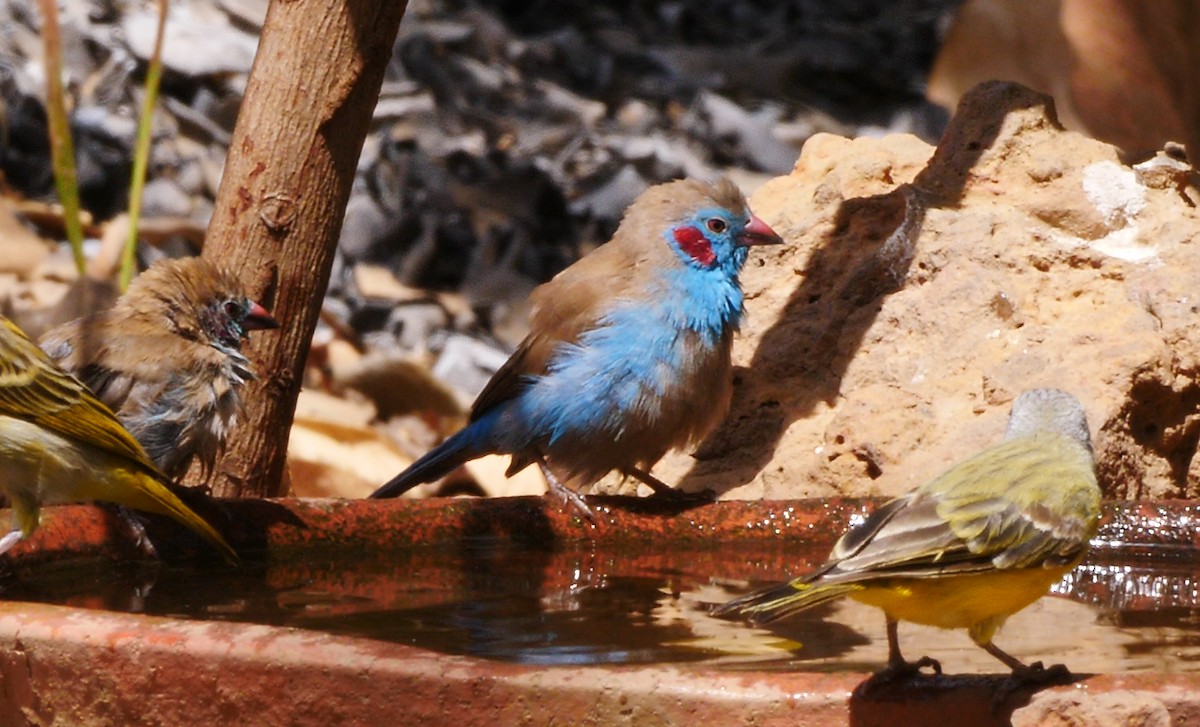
494,599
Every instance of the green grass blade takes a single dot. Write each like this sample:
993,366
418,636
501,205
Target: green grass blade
62,151
141,150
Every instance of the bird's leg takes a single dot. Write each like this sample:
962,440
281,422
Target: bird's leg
566,495
897,667
141,539
664,491
1034,673
896,662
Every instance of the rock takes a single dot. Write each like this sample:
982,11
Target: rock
467,364
412,324
666,158
365,228
163,197
25,153
1119,708
250,13
198,41
198,124
920,290
740,133
103,161
610,199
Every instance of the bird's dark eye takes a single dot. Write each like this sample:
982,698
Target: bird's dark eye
232,309
717,225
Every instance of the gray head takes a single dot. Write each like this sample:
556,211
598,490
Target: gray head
1048,410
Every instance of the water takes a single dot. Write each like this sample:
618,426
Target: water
520,603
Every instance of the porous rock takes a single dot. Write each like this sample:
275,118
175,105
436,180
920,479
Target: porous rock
921,290
1121,708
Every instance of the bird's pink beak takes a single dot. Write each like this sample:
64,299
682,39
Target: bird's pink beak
758,233
258,318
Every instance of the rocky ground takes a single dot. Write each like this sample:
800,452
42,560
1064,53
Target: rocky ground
922,289
507,141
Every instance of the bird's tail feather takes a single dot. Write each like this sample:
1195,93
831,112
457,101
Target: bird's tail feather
467,444
783,600
148,494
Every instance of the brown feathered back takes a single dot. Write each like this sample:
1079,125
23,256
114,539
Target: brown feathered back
628,354
573,301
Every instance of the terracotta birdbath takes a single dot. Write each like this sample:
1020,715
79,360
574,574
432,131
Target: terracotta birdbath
86,664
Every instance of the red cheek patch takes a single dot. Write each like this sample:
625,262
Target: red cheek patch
695,244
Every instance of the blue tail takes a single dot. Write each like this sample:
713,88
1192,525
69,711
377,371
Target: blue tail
470,442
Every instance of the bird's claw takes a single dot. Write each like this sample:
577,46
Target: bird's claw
572,500
1026,676
141,539
905,669
136,529
901,670
1036,673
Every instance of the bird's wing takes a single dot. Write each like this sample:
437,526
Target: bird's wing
81,347
33,389
564,308
528,360
1024,503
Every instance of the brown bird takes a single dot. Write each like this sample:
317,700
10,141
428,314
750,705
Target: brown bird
167,358
628,354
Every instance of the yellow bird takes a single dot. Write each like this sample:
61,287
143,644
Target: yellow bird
971,547
59,444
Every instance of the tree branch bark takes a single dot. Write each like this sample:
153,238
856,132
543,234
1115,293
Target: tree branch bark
307,108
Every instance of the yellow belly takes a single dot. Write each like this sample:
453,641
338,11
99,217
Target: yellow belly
957,602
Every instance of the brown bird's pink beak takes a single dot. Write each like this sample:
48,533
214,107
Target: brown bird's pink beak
758,233
258,318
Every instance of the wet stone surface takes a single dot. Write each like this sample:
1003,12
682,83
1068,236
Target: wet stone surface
552,598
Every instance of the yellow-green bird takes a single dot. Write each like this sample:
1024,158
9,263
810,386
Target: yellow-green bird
971,547
59,444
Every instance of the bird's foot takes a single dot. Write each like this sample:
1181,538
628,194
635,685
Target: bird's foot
900,670
141,539
134,526
1030,676
571,500
903,669
1036,674
1027,675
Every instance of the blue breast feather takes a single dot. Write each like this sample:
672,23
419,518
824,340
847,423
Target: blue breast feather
640,353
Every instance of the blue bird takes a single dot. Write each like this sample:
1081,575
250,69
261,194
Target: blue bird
628,354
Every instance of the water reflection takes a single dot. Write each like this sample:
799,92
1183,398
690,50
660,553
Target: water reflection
500,599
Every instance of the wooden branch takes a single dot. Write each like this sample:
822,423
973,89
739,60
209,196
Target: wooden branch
279,210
